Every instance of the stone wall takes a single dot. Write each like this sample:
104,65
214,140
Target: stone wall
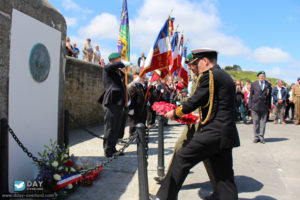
83,87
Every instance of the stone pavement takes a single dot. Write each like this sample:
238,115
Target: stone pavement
262,171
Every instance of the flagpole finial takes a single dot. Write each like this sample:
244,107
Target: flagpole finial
170,12
176,27
187,40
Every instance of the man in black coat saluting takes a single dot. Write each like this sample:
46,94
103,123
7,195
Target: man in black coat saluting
113,100
217,133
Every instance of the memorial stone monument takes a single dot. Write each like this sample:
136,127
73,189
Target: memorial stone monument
32,44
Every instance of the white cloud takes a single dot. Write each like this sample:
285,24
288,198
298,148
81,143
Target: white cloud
104,26
134,58
199,21
275,71
71,21
271,55
71,5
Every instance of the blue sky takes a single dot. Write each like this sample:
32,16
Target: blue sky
257,35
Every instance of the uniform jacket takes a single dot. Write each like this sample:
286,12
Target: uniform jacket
165,90
221,123
275,95
114,85
260,100
138,103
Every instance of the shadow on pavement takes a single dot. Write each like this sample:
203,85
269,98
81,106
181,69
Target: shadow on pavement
275,139
79,135
244,184
117,175
260,197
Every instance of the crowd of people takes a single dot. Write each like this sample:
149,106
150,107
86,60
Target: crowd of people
220,101
89,53
132,102
282,102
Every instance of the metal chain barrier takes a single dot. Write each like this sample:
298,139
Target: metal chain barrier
114,156
29,154
86,171
85,129
147,142
124,140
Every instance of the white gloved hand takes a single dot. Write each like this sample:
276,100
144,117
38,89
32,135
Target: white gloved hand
126,63
137,79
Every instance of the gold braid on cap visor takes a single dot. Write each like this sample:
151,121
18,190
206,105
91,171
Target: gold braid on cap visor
179,112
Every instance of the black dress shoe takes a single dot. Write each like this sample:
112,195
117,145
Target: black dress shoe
256,140
262,141
108,155
212,196
153,197
159,179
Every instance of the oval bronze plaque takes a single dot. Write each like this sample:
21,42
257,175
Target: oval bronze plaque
39,62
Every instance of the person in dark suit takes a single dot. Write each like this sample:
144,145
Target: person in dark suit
217,134
152,97
138,104
279,95
260,104
113,101
141,60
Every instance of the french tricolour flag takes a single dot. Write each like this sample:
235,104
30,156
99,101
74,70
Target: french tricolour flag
160,55
183,73
175,53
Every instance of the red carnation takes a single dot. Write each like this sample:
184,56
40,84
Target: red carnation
69,163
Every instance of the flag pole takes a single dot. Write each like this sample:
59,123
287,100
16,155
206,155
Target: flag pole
170,13
187,40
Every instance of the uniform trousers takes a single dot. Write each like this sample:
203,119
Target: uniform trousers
151,115
123,123
112,126
259,123
198,149
183,140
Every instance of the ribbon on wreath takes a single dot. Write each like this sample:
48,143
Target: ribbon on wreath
72,179
66,180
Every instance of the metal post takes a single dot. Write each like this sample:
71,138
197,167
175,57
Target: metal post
4,156
66,127
161,159
142,163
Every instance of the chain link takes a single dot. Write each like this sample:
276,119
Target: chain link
86,171
90,132
29,154
85,129
114,156
147,142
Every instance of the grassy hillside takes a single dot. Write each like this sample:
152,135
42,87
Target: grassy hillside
248,75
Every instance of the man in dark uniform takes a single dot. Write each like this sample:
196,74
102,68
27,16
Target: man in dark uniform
260,104
152,97
113,101
164,95
217,135
138,104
